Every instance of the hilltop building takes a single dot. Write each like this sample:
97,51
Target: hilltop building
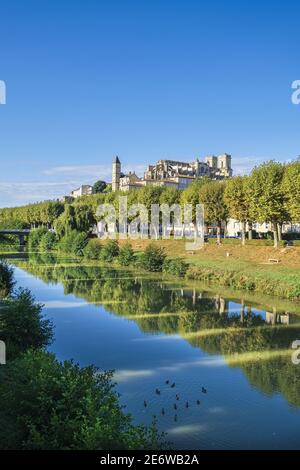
84,190
172,173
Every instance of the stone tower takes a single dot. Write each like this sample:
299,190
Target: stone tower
116,174
224,164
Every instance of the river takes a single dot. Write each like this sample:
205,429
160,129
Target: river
228,355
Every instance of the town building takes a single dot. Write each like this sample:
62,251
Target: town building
84,190
172,173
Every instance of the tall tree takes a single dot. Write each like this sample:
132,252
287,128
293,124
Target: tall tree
291,190
215,208
235,197
266,201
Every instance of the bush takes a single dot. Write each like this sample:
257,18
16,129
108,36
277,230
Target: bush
45,404
6,279
175,266
73,243
126,255
153,258
48,242
110,250
22,324
35,237
92,249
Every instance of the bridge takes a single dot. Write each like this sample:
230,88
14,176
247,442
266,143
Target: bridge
21,233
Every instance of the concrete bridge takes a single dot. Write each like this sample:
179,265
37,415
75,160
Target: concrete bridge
22,234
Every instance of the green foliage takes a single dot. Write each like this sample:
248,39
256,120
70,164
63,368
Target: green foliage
291,190
265,195
99,187
191,195
45,404
66,222
73,243
35,237
175,266
6,279
215,209
22,325
92,249
48,242
126,255
110,250
152,259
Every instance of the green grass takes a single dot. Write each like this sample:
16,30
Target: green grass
283,282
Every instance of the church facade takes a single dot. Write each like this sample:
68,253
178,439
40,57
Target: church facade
172,173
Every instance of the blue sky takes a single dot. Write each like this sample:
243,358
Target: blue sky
145,80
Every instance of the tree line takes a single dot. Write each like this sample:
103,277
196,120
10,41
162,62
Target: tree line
271,193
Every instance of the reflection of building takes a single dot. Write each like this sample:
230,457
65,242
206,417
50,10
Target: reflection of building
172,173
84,190
274,318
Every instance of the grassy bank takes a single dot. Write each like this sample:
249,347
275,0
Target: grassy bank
233,266
244,268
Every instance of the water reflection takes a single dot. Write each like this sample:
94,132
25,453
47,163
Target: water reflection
235,346
256,340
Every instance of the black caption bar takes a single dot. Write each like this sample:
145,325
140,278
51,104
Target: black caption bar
134,459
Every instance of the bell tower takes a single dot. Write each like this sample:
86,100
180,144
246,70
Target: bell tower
116,174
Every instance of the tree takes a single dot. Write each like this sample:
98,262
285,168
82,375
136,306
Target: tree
22,324
99,187
265,195
48,405
291,190
215,209
236,199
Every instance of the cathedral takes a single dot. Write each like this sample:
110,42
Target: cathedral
172,173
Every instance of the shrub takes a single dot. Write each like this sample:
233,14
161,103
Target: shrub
22,324
73,243
35,237
92,249
153,258
110,250
126,255
50,405
48,242
6,279
175,266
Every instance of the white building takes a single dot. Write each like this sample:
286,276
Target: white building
84,190
234,228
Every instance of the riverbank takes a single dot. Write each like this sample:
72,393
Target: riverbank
240,267
260,269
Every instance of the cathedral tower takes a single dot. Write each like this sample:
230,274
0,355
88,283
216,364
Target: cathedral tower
116,174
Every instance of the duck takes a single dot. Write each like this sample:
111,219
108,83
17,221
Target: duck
157,391
163,411
167,382
198,402
175,418
175,406
187,404
177,397
204,390
173,385
145,403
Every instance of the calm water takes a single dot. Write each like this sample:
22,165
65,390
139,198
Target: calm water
151,331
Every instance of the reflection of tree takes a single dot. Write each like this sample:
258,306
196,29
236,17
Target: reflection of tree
203,320
279,375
